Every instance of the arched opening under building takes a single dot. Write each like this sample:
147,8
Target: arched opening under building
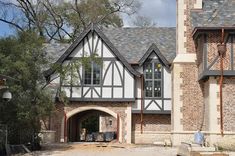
92,126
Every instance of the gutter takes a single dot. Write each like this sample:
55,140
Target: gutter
197,30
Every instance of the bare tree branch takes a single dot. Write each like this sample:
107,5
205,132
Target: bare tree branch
79,14
54,21
12,23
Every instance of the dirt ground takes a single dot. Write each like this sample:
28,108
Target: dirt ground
104,149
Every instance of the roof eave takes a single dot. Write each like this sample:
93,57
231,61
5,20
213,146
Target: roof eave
197,30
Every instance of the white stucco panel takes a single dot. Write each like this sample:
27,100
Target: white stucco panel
97,45
66,90
117,77
107,92
129,85
167,104
153,106
67,79
167,84
86,93
75,78
87,51
96,92
120,67
106,51
78,51
108,76
138,87
76,92
117,92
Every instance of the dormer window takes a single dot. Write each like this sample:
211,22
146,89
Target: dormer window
153,79
92,74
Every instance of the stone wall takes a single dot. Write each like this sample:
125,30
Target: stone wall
56,119
156,127
123,109
189,44
108,123
152,122
229,104
192,98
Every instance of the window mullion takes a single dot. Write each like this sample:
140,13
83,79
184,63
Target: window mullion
153,79
92,68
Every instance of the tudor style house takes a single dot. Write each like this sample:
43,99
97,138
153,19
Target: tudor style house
152,83
129,91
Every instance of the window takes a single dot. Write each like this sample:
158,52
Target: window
92,74
153,79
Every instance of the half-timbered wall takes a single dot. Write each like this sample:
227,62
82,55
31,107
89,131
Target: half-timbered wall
154,104
208,57
116,82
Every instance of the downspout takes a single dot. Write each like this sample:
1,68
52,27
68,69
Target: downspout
142,104
221,51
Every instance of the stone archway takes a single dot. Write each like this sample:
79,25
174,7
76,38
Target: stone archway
86,108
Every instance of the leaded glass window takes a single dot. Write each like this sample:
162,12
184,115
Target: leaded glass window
153,79
96,73
92,74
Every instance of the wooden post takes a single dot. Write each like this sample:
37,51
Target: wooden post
65,127
118,127
142,104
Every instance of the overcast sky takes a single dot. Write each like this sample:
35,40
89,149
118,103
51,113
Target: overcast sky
161,12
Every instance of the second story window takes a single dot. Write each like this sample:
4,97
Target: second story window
92,74
153,79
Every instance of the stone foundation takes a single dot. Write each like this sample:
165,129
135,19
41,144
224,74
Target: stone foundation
156,127
211,138
149,137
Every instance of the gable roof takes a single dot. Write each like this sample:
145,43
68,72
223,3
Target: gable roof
132,43
90,28
214,13
154,48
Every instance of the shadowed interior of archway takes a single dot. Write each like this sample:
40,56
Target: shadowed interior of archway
91,125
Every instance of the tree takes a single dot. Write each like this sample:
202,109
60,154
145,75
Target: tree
143,21
58,20
22,57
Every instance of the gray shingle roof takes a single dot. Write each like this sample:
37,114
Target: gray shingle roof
215,13
55,50
133,43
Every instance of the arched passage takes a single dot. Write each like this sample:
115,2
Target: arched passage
83,110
